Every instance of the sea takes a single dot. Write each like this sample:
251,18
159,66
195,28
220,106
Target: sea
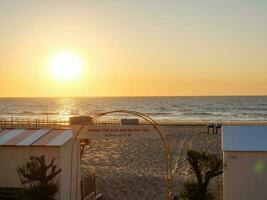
163,109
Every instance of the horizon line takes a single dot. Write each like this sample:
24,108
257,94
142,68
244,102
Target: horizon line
134,96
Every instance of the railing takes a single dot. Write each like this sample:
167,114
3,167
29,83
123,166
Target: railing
23,122
32,123
88,187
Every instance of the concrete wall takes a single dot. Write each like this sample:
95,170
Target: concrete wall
11,157
65,181
245,175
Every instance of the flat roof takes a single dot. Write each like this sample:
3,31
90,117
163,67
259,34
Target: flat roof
244,138
34,137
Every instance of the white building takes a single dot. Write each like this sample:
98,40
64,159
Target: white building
17,145
245,162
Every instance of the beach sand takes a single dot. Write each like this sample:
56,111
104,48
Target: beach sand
136,170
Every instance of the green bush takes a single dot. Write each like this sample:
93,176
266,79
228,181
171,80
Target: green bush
190,191
206,167
37,183
39,192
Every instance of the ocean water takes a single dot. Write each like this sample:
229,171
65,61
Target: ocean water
173,109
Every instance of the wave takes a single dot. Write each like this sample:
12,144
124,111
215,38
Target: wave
158,113
48,113
198,113
174,108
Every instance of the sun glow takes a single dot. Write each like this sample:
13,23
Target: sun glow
65,66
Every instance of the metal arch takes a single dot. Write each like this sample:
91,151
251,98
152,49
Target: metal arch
163,138
155,126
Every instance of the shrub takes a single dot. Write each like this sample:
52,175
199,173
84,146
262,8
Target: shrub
189,190
205,167
37,182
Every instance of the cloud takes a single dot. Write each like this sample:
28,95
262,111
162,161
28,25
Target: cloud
169,16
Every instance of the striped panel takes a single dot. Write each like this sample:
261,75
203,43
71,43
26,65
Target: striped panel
37,134
61,138
47,138
10,135
4,131
19,137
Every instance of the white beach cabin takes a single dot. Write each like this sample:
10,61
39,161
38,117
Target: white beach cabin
17,145
245,162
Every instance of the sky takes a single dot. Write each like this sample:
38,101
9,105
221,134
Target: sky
135,47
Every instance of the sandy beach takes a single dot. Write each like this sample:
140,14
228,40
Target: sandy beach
136,170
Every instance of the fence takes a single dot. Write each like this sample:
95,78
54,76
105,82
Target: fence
22,122
16,122
88,187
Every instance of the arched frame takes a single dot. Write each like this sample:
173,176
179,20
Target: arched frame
152,122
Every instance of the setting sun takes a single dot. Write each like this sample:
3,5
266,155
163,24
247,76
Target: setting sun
65,66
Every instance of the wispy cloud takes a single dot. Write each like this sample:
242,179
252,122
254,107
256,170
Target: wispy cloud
169,16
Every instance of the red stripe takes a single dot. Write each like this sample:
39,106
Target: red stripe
5,131
47,138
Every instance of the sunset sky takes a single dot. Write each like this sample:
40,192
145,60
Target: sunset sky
133,48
